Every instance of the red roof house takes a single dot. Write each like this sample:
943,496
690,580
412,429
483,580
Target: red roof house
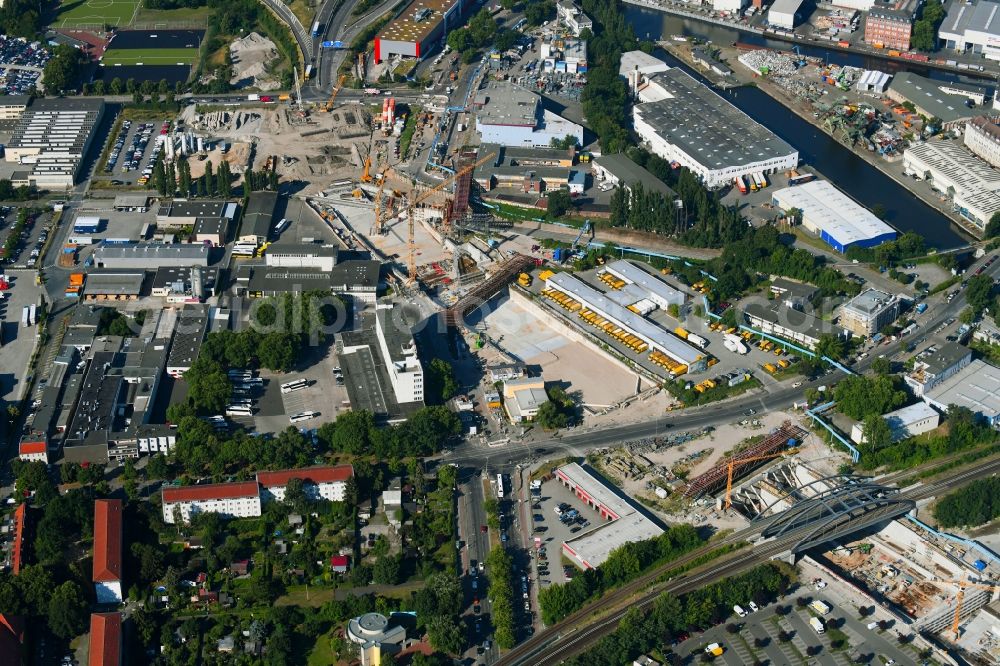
17,548
340,563
108,551
105,639
329,483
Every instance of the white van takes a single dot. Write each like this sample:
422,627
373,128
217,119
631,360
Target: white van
739,610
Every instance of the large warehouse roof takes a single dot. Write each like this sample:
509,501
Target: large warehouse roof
648,283
657,337
827,208
976,386
627,524
706,126
927,95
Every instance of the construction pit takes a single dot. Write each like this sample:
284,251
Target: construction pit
312,147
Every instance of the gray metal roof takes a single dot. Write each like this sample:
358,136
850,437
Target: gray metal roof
706,126
977,17
631,173
927,95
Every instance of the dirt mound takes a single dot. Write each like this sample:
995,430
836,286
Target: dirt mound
252,57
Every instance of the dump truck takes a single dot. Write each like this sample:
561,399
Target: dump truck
681,333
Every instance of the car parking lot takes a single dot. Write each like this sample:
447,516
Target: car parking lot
321,395
553,529
134,151
33,236
21,53
780,633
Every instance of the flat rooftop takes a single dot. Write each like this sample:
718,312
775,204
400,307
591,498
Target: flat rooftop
397,325
869,302
971,16
646,281
948,355
976,386
628,523
658,337
927,95
114,283
191,208
631,174
707,127
502,103
792,319
417,21
641,61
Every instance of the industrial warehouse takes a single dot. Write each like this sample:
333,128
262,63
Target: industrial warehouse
833,216
625,323
722,145
972,184
418,29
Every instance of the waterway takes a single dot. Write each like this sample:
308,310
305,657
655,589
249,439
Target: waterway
840,165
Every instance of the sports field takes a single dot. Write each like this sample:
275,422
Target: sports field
150,56
93,13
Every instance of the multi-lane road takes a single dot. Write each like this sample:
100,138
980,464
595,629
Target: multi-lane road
574,634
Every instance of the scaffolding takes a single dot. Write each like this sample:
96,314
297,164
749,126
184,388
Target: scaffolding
505,273
745,461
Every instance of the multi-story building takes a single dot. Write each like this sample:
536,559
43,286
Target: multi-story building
973,27
416,31
329,483
510,115
686,123
231,500
790,324
866,314
12,106
106,646
399,350
108,551
33,448
573,17
931,370
53,136
889,28
982,137
301,255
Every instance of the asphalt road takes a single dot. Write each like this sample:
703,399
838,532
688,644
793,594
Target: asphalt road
574,634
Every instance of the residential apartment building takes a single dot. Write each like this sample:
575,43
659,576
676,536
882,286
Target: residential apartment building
393,329
33,449
573,17
106,647
982,137
866,314
231,500
329,483
790,324
107,576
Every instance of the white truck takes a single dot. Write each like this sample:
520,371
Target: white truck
253,97
820,606
817,625
697,340
734,344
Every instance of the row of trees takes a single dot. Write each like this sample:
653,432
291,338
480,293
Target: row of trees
605,96
965,430
175,178
501,568
625,563
424,433
640,631
441,384
976,504
20,193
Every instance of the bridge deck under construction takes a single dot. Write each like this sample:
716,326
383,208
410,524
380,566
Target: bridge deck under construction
715,478
488,288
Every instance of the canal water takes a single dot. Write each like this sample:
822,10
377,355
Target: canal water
847,171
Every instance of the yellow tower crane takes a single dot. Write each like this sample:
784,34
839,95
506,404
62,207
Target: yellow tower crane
962,584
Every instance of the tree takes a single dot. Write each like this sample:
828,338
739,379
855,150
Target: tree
858,396
441,382
978,292
295,495
565,143
876,432
882,366
209,391
277,351
831,346
993,226
445,634
68,611
62,69
550,417
559,201
975,504
879,211
386,570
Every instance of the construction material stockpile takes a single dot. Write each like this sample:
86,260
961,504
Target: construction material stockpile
715,479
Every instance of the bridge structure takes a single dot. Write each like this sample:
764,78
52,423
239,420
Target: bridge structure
829,509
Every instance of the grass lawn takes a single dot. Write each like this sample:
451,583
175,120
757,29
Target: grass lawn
82,13
165,18
150,56
304,11
322,653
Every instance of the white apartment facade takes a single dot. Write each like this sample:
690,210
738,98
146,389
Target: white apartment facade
329,483
982,137
399,350
231,500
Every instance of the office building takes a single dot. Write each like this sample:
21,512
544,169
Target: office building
418,29
617,169
833,216
185,213
131,203
573,17
891,26
523,397
904,423
523,169
328,483
976,387
13,106
230,500
509,115
972,185
868,312
53,137
394,329
108,551
972,27
982,137
211,230
792,294
617,520
929,370
184,284
685,122
796,326
301,255
951,102
355,279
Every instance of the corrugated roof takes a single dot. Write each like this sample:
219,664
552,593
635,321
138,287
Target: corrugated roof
829,209
211,491
107,540
105,639
314,475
